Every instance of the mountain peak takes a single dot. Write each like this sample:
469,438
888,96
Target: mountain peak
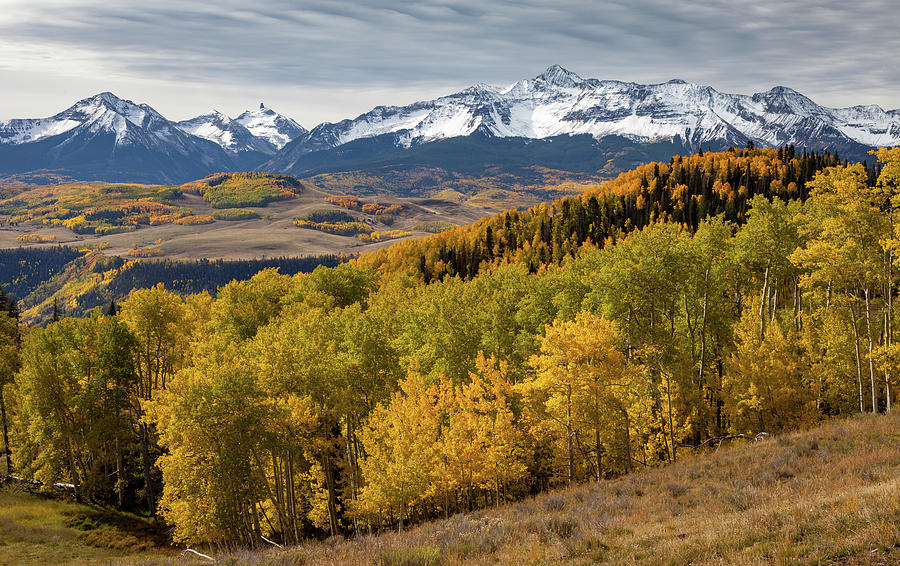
783,90
269,125
559,76
106,99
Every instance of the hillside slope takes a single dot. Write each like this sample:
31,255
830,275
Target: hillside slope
830,495
38,530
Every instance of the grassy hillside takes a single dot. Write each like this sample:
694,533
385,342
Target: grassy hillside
527,184
35,530
830,495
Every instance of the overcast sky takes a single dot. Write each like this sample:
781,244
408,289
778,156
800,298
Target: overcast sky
333,59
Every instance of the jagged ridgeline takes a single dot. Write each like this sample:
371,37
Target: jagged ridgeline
685,190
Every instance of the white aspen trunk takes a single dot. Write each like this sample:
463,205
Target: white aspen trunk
774,299
871,361
856,349
671,419
569,434
764,298
888,320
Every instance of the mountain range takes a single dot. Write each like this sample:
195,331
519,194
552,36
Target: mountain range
611,125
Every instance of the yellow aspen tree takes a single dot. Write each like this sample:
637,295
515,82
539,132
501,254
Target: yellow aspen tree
577,371
400,441
765,387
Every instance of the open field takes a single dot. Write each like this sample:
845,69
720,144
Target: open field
273,234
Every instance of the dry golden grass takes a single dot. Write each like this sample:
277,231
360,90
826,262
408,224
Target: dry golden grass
36,530
826,496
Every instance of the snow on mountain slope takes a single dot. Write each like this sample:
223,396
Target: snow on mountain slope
101,113
230,134
559,102
106,137
271,126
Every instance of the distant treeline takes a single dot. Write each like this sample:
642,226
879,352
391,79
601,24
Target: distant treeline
73,282
23,269
195,276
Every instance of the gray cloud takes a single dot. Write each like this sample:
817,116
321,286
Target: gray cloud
325,60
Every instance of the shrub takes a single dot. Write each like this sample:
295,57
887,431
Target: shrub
145,252
380,236
559,527
235,214
554,503
435,227
194,220
328,215
676,489
415,556
339,228
104,229
351,202
35,238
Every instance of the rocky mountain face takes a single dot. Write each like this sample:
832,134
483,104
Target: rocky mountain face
271,126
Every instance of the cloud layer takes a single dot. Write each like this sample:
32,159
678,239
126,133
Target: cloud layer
325,60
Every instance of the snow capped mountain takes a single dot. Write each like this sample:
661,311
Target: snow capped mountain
103,112
105,137
229,134
271,126
560,102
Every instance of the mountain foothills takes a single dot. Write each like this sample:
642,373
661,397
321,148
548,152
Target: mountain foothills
710,298
617,125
